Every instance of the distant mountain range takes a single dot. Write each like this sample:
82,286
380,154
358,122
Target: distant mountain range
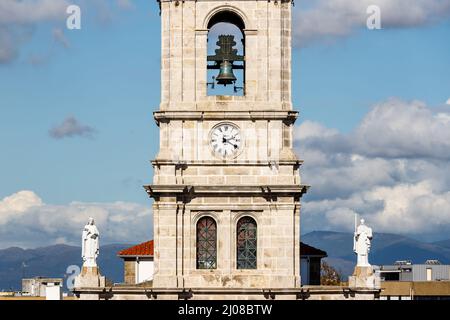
52,261
386,249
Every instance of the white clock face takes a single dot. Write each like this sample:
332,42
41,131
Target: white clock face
226,140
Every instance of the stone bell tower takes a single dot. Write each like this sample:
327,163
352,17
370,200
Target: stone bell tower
226,185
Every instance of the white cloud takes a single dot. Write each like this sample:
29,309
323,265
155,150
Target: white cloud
71,127
310,129
405,129
403,208
393,168
392,129
38,59
125,4
8,50
25,220
415,207
18,19
15,205
325,19
58,35
448,102
31,11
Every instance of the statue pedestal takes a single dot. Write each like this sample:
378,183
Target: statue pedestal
89,278
364,277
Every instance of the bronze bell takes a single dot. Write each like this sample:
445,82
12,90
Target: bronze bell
226,75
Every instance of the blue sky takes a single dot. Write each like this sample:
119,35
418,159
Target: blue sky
106,76
109,79
337,83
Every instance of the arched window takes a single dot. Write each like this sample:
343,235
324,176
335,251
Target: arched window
206,243
246,243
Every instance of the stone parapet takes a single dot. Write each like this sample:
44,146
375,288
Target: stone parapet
304,293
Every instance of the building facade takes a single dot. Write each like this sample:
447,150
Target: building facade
415,290
226,185
405,280
431,270
43,287
226,188
138,265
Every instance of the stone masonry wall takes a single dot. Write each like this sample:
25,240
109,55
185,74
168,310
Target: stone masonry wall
265,118
277,255
184,50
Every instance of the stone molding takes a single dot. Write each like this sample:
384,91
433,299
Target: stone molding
193,163
304,293
288,116
158,190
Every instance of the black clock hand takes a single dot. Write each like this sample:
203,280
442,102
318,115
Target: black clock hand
234,145
234,138
225,140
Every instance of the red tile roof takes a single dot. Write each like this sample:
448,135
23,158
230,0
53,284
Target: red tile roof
143,249
307,250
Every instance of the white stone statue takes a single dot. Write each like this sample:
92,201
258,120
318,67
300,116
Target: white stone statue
361,244
90,244
90,276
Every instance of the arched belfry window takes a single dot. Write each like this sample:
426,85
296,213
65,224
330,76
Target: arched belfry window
246,243
226,55
206,243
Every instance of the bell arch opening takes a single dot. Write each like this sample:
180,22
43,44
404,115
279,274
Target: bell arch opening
226,16
226,55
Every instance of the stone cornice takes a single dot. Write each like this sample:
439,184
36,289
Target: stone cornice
238,190
282,1
202,163
290,116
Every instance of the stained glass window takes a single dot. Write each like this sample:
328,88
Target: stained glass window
246,243
206,243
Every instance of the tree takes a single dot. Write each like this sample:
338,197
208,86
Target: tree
329,276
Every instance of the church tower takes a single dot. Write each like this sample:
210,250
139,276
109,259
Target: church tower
226,185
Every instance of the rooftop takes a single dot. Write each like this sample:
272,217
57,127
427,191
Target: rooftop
307,250
142,249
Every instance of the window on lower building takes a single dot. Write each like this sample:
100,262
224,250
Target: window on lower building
206,243
246,243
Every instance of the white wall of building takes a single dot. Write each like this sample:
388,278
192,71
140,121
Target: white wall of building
53,291
144,270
